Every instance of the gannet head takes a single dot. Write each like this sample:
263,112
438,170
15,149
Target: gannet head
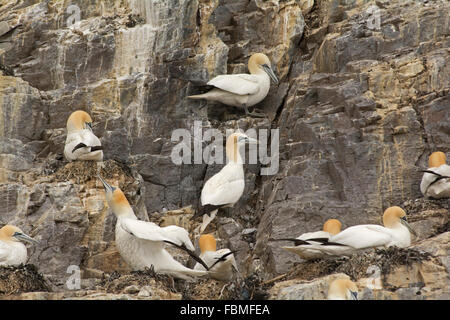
393,216
12,233
343,289
260,61
207,242
234,142
116,200
79,120
437,159
332,226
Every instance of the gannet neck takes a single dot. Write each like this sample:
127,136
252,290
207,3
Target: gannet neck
77,121
437,159
332,226
341,289
207,242
120,205
232,149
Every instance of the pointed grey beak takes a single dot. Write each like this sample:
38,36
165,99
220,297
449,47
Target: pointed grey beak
107,187
89,124
24,237
252,141
270,72
354,295
406,224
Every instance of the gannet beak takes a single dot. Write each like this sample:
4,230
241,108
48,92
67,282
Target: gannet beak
89,124
406,224
270,72
252,141
24,237
107,187
354,295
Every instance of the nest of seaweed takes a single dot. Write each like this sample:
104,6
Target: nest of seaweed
23,278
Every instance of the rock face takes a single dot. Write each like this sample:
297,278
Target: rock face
359,107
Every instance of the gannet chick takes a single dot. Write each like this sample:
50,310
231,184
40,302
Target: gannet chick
436,180
342,289
220,262
226,187
81,142
142,244
396,232
12,251
331,227
242,90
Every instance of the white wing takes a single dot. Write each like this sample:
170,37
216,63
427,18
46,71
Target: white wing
150,231
218,192
240,84
363,236
313,235
440,189
85,136
4,252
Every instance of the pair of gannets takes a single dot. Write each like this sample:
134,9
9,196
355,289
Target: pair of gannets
81,142
436,180
342,289
142,244
242,90
12,251
226,187
396,232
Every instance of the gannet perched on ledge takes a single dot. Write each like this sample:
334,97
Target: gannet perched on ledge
226,187
242,90
342,289
142,244
396,232
436,180
220,262
81,142
331,227
12,251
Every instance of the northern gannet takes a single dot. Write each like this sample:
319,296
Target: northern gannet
342,289
226,187
81,142
331,227
436,180
220,262
12,251
142,244
396,232
242,90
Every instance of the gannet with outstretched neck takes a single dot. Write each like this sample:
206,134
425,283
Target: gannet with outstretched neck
242,90
81,142
331,227
226,187
342,289
396,232
142,244
12,251
436,180
221,262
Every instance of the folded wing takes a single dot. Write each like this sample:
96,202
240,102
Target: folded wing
241,84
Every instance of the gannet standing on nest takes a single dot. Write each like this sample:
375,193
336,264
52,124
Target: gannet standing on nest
396,232
242,90
342,289
220,262
12,251
436,180
142,244
331,227
226,187
81,142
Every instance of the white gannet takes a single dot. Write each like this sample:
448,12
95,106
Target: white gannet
142,244
330,227
436,180
226,187
342,289
81,142
220,262
12,251
396,232
242,90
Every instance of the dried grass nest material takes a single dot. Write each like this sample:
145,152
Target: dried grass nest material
23,278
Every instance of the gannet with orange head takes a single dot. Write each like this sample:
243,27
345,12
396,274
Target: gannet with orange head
142,244
342,289
12,251
242,90
331,227
221,262
396,232
81,142
226,187
436,179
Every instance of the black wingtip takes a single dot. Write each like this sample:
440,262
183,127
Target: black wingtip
191,253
